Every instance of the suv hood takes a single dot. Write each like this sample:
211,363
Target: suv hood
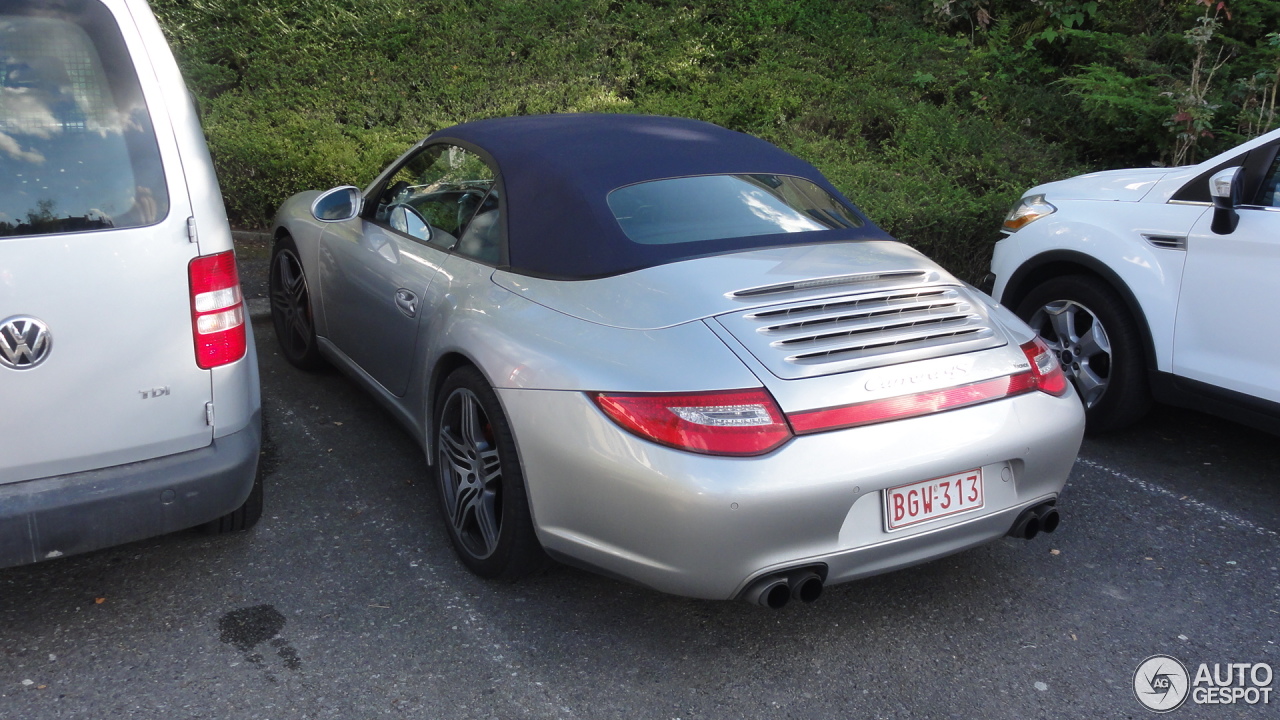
681,292
1129,185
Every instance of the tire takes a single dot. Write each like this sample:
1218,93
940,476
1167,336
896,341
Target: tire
250,511
1099,344
291,307
243,517
488,521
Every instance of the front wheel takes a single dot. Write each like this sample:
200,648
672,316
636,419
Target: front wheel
291,307
482,492
1090,329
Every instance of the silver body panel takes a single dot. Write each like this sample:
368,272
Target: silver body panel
706,526
672,294
679,522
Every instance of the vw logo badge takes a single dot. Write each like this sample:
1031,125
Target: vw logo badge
24,343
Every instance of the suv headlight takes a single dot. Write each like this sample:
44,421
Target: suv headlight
1026,211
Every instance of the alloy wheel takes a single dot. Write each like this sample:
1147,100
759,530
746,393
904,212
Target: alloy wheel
291,305
470,473
1074,333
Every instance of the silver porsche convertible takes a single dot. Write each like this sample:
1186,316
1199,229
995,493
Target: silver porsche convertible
673,354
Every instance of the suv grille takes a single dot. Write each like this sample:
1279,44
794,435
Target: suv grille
864,331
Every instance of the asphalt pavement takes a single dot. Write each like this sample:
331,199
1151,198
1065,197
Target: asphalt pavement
346,601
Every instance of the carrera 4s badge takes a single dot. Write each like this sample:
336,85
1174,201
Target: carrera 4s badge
950,373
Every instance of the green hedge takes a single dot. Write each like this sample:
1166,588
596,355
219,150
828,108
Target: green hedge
933,127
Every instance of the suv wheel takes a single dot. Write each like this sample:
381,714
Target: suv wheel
1088,326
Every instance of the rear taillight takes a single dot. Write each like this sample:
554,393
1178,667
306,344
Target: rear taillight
217,310
734,422
1045,375
1046,372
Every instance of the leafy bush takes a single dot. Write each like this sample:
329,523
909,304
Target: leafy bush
933,124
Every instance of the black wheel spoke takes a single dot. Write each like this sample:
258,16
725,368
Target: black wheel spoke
485,512
301,329
281,301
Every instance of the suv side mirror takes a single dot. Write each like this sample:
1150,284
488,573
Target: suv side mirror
338,205
1227,189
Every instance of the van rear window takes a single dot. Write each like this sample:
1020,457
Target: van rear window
77,149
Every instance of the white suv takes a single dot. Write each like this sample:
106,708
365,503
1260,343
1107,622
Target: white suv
1156,283
129,403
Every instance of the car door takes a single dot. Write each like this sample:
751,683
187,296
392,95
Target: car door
1226,333
376,269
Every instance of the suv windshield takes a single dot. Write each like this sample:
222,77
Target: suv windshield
714,207
77,150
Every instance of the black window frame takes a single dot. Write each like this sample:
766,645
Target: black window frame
1267,170
1256,163
373,200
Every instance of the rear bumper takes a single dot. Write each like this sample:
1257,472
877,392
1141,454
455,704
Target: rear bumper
66,514
708,527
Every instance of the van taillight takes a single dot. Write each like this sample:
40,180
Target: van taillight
217,310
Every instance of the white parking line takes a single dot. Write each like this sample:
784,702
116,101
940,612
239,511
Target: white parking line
1154,489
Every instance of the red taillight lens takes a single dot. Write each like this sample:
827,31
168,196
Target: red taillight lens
1045,375
734,422
217,310
1045,368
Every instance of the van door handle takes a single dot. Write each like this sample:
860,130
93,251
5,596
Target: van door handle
407,302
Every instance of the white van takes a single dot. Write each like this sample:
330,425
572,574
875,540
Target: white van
129,399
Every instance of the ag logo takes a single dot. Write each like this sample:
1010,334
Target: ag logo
1161,683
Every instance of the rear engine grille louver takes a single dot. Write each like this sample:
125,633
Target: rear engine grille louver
882,278
863,331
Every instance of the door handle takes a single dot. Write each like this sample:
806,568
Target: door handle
407,302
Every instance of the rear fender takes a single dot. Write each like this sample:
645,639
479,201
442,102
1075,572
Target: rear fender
519,344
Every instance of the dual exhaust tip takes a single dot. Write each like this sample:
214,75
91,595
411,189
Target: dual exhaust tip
806,585
1033,521
775,591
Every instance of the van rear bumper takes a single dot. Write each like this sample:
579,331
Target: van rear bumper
61,515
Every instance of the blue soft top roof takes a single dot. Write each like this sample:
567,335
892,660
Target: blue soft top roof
557,171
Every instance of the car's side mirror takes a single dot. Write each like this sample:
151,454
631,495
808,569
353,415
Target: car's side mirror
1227,189
338,204
409,221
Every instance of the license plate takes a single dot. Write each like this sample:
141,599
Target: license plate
928,500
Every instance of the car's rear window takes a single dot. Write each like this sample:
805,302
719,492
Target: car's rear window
77,150
714,207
